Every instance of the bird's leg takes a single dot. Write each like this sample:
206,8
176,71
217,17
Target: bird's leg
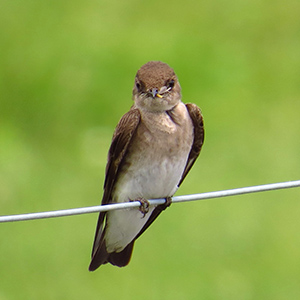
166,204
144,208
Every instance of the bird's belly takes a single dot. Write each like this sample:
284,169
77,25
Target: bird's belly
156,180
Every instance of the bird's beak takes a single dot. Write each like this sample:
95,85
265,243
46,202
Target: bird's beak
154,93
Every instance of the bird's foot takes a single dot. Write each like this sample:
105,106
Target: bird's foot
144,208
166,204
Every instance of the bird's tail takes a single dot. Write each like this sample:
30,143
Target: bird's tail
101,256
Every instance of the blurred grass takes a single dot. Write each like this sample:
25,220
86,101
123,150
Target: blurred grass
66,73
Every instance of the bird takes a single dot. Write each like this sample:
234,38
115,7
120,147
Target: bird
154,146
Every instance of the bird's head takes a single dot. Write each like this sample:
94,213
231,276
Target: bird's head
156,87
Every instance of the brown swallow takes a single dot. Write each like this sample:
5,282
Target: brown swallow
153,148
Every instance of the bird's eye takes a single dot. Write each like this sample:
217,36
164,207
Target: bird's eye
138,86
171,84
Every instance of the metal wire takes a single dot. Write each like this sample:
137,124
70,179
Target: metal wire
127,205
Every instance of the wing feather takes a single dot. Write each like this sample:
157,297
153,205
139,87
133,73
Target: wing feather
197,120
121,139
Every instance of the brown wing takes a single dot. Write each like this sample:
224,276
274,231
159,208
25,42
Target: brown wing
120,141
197,120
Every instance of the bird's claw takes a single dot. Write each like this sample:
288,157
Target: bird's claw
144,207
166,204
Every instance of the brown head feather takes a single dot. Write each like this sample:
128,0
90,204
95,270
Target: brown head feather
154,74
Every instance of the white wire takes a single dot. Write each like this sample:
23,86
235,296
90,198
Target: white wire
115,206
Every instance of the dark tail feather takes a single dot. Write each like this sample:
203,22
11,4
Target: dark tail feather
99,257
119,259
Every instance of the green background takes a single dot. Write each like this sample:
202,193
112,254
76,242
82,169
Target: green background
66,73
